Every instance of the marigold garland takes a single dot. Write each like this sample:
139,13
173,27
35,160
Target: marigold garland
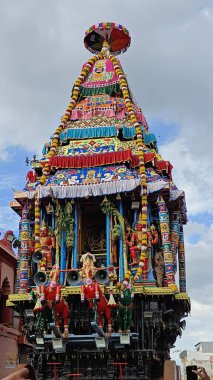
74,97
37,223
142,172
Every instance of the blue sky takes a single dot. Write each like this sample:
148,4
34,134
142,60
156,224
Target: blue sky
12,177
169,68
163,131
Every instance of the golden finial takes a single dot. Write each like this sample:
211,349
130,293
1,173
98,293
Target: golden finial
105,49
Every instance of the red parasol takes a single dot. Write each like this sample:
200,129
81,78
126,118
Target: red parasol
116,35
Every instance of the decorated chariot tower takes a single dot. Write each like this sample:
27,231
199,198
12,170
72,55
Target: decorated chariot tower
101,273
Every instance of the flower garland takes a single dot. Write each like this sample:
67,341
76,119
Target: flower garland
74,97
37,223
142,171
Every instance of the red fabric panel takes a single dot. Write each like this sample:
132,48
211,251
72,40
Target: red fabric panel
164,165
106,159
147,158
90,160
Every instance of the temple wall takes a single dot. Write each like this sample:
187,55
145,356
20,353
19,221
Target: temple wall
7,271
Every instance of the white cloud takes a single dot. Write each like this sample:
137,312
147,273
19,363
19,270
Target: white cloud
169,65
192,173
194,228
199,263
200,309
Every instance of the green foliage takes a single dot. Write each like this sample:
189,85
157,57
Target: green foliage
69,224
65,222
116,231
109,208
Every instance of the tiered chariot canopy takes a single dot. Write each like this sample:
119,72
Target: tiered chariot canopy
101,127
101,222
103,146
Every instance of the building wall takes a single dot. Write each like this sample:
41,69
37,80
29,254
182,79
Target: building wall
200,359
7,270
8,350
8,334
204,347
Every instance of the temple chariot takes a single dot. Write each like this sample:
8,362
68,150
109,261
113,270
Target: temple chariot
101,282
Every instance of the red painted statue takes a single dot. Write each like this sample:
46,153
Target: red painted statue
134,242
152,235
47,242
92,292
52,293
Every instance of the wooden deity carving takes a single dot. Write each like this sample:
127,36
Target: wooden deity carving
92,291
48,242
159,268
134,242
152,235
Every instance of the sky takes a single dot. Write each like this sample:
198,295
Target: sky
169,70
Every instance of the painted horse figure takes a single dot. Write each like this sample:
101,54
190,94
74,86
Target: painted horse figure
97,302
52,294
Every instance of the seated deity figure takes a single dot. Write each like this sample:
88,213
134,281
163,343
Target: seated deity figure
88,260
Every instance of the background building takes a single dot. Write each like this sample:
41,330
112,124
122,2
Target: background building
9,334
202,356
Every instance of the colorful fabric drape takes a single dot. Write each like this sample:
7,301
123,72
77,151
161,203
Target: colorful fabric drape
105,131
154,181
104,105
87,133
72,183
99,126
102,74
91,160
92,146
